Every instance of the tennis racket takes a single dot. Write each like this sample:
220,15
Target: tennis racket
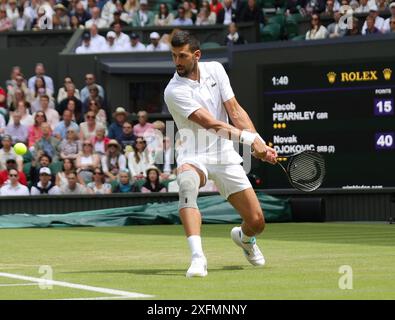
305,170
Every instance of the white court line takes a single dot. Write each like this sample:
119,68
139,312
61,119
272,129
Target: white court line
18,284
97,298
48,282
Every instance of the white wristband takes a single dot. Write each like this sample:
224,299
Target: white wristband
247,137
260,138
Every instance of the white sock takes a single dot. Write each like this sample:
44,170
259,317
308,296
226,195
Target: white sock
245,238
195,244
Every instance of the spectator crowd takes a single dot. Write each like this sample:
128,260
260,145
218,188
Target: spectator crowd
76,145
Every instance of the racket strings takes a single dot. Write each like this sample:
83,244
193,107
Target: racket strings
307,171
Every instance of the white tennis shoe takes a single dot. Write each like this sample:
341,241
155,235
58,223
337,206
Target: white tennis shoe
250,249
198,267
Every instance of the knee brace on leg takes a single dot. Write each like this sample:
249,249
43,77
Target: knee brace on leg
188,182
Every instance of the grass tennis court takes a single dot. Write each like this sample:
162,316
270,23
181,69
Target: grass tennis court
302,262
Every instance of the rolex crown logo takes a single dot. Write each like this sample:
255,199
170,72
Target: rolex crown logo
387,73
331,77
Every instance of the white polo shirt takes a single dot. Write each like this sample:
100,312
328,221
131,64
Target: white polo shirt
183,97
18,190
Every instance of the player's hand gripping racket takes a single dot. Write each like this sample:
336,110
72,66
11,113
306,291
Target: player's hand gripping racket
305,170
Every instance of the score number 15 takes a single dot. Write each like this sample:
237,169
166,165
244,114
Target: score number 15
383,107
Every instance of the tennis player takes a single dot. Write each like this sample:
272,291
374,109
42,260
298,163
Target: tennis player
200,99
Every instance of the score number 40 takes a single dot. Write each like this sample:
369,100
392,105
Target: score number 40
384,140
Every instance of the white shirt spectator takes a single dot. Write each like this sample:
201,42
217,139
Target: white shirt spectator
321,33
108,11
122,40
83,49
138,47
160,47
18,190
48,83
97,42
183,22
79,189
100,22
111,48
136,168
121,162
36,192
52,117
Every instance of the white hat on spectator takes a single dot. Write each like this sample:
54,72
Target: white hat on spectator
143,2
392,5
154,35
111,34
373,7
45,170
120,110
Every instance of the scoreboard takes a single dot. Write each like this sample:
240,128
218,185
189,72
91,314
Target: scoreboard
345,111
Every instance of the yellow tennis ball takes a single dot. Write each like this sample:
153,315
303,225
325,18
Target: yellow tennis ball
20,148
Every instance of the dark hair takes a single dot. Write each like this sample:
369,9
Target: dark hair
72,165
46,156
182,38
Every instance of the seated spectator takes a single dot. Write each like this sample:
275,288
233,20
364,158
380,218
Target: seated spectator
315,6
97,42
118,19
181,19
108,10
16,129
26,118
71,92
3,101
34,132
98,185
317,30
14,187
8,152
18,96
15,72
60,19
124,17
215,6
233,37
152,184
43,19
75,23
67,167
121,39
111,45
382,5
363,7
143,125
113,161
191,10
227,14
86,161
19,84
93,95
115,129
96,20
95,106
89,127
164,17
135,45
40,88
377,20
155,44
387,22
45,185
355,28
392,25
21,22
86,46
2,124
12,165
70,146
100,141
5,22
62,93
334,30
124,184
51,114
65,124
47,144
164,160
206,16
81,14
75,110
44,160
139,159
127,139
143,17
90,80
131,6
40,71
73,186
370,27
251,12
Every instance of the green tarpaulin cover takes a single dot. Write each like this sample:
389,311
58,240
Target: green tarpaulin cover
214,209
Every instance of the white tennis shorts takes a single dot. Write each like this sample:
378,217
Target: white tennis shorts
229,178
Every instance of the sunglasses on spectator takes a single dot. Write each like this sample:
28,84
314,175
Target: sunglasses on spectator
13,175
87,144
90,117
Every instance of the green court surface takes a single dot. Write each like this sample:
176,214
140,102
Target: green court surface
302,262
